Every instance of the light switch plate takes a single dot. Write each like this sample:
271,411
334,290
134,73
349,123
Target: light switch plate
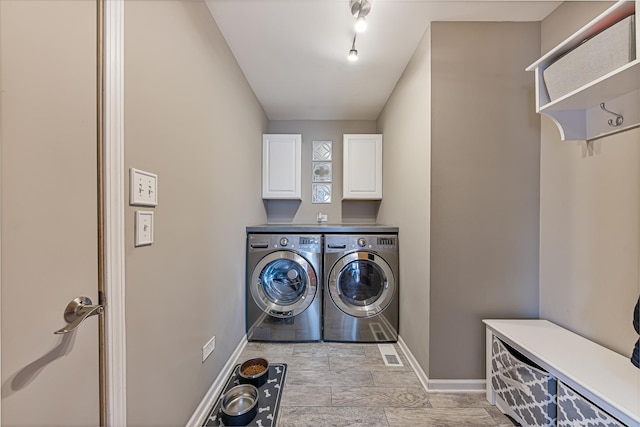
143,188
144,228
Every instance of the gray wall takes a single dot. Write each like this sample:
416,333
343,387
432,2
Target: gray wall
305,212
190,117
589,222
406,200
461,179
484,187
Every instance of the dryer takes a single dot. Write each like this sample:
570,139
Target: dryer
361,288
284,287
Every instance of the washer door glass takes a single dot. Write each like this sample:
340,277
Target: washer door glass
361,284
283,284
283,281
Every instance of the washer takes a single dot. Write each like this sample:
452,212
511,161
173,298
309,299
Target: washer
284,287
361,288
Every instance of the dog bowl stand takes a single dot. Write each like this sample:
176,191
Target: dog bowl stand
269,395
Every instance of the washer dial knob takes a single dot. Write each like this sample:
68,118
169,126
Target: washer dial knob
362,243
284,241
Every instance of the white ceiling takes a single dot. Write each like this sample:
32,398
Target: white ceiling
294,52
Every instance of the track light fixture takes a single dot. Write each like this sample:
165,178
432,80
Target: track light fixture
353,53
359,9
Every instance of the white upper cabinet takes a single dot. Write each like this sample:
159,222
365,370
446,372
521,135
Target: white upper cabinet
594,70
362,174
281,167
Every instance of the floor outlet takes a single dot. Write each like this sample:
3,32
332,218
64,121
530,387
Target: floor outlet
208,348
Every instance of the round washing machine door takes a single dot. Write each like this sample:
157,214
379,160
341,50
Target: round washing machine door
283,284
361,284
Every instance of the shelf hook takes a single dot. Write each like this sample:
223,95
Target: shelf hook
619,119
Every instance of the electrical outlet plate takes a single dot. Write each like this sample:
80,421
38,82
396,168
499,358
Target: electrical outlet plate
208,348
143,188
144,228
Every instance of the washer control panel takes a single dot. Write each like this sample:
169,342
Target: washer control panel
304,243
342,243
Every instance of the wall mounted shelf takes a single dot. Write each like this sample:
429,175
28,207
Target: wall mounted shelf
578,114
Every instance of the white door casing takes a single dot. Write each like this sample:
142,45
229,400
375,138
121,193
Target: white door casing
114,206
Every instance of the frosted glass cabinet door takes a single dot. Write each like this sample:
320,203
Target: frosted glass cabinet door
362,174
281,166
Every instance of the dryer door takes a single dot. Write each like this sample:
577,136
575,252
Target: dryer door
361,284
283,284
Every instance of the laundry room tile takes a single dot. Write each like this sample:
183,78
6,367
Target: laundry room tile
363,364
318,364
372,350
348,384
458,400
396,379
302,395
329,349
406,397
346,350
260,348
331,417
427,417
330,378
310,349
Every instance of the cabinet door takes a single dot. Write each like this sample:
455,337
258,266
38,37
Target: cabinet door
281,166
362,167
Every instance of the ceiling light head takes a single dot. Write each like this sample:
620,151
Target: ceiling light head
361,24
353,55
360,8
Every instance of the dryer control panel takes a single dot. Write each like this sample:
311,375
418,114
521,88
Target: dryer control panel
342,243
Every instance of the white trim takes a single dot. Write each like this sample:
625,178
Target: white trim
441,386
201,412
0,261
457,386
422,376
114,197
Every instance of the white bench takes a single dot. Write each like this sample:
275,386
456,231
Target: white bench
599,377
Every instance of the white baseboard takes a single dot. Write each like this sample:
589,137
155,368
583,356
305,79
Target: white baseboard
441,386
422,376
201,412
457,386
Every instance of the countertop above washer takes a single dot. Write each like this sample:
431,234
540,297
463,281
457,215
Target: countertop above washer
322,228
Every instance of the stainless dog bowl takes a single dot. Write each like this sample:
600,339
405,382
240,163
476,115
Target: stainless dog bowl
256,379
239,405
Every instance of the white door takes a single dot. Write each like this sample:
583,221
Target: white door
48,210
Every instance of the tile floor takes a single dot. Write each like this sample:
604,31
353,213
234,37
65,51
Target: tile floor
336,384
